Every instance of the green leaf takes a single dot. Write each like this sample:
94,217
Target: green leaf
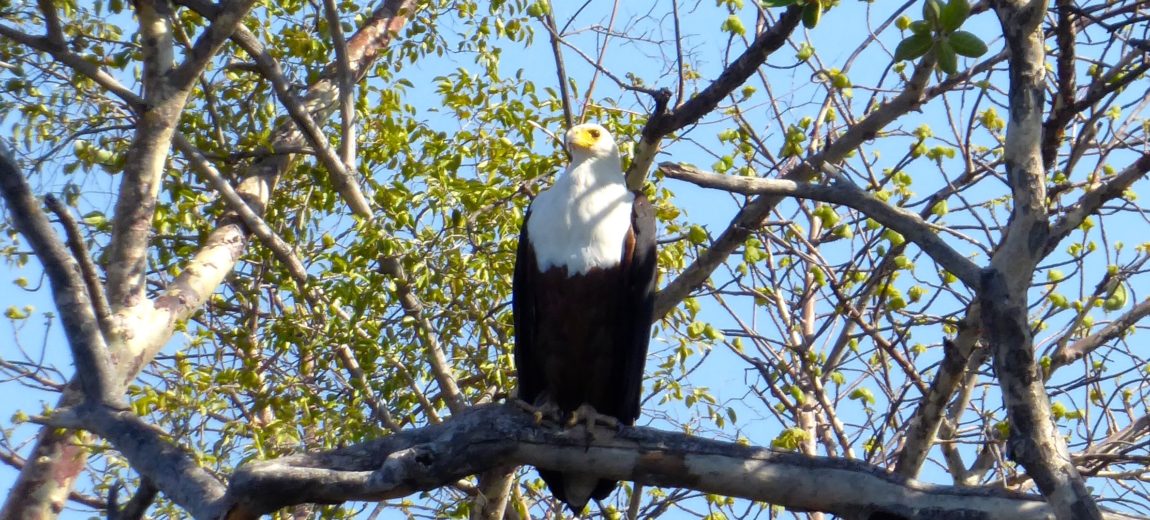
931,11
913,47
811,13
947,59
1117,299
777,3
967,44
862,394
953,14
734,25
920,27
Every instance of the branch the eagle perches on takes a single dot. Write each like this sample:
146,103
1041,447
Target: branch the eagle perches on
487,436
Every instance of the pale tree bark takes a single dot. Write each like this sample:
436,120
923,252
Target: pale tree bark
489,436
144,326
1034,441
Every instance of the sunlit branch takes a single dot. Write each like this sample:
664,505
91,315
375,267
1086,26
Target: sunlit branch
94,365
346,86
908,223
427,458
75,242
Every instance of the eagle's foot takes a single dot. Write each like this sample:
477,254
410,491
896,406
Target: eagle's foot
546,410
587,414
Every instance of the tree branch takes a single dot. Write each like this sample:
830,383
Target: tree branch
81,326
751,216
225,21
483,437
1077,350
75,242
169,468
1034,441
663,122
346,86
436,357
548,21
342,176
166,92
1092,201
907,223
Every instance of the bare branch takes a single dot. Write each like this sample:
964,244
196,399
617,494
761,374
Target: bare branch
1077,350
346,86
137,506
663,123
77,63
75,242
548,21
414,309
1091,201
602,56
1054,129
225,21
342,175
907,223
753,213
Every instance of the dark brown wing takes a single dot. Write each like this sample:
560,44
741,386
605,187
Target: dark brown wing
639,264
528,366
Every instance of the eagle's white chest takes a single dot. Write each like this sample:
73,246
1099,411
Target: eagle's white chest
580,222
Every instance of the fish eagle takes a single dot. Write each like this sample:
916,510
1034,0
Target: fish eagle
583,295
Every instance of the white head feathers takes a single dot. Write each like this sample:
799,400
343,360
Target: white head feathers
580,222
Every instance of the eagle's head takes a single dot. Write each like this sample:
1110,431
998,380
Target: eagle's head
590,141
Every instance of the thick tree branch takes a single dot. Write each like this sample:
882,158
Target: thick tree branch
165,93
169,468
81,326
1034,442
1028,229
346,86
55,31
958,359
483,437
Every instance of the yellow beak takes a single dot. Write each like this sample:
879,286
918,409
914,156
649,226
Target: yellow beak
582,138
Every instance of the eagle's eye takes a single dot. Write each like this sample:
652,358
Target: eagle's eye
594,132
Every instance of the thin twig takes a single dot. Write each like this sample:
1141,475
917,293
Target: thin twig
599,62
548,20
